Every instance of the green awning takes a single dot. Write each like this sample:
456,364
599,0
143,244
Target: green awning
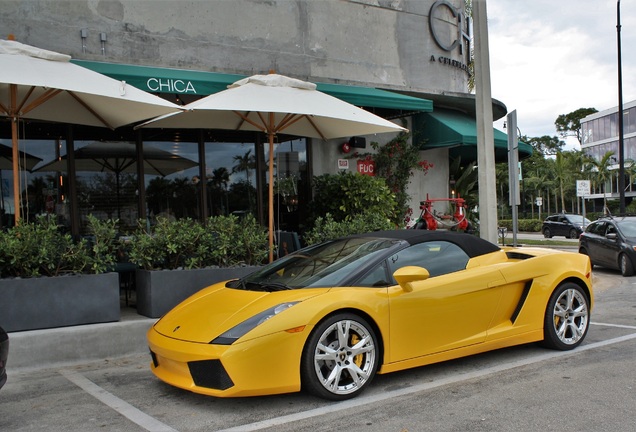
458,132
198,83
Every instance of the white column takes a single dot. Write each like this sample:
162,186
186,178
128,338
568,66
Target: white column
485,136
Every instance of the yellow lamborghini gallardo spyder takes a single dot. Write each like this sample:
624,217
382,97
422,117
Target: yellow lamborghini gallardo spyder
329,317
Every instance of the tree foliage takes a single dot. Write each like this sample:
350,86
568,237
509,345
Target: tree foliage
570,124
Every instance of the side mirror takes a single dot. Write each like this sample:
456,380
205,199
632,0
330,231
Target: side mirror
610,236
405,275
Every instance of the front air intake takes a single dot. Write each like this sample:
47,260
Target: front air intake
210,374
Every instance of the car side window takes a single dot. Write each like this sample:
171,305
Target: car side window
611,229
438,257
597,228
375,278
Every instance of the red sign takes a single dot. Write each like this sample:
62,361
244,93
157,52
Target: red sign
366,167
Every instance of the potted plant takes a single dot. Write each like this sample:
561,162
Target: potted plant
177,258
49,280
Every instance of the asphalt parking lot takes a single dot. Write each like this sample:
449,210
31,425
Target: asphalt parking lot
523,388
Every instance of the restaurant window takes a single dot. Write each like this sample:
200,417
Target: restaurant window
42,193
291,184
231,178
171,170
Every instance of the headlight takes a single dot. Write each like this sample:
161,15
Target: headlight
230,336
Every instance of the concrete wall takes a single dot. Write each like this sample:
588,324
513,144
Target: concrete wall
381,43
374,43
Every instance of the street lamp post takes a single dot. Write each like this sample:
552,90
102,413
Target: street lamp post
621,143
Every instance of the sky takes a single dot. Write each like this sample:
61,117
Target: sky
552,57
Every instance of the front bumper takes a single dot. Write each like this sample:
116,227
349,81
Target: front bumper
261,366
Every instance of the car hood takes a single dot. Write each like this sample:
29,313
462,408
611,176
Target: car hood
214,310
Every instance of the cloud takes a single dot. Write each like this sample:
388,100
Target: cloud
549,58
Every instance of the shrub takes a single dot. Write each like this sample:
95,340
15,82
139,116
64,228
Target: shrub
41,249
348,195
223,241
327,228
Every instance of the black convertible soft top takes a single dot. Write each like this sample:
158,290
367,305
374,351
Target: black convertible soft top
472,245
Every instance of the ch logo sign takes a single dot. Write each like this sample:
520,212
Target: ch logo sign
438,22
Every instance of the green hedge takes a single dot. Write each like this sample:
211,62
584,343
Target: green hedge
525,225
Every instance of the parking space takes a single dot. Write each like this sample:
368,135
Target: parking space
526,387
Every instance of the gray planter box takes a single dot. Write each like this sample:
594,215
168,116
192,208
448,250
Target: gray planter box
47,302
158,291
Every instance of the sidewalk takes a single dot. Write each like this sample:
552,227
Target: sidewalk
68,345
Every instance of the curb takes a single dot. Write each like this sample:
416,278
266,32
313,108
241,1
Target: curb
55,347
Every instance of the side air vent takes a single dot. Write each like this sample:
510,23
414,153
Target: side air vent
522,300
518,255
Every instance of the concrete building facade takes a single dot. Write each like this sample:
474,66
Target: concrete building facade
405,60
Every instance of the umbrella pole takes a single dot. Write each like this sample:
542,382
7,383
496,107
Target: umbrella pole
16,160
271,192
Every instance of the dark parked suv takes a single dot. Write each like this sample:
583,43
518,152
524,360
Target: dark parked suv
611,242
563,224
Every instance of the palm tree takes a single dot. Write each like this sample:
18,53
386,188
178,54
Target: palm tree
562,175
603,174
244,164
220,180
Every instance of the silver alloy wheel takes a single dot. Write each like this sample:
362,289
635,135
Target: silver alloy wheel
345,356
570,316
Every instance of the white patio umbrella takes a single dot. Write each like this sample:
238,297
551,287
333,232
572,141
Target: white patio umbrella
43,85
276,104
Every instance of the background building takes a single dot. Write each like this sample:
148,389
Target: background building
405,60
600,136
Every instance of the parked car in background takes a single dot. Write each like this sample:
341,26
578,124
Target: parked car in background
611,242
564,224
4,354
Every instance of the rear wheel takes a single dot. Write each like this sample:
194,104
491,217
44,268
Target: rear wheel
625,264
567,317
340,358
547,233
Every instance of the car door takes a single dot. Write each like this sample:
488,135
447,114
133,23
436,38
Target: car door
451,309
593,242
562,226
611,246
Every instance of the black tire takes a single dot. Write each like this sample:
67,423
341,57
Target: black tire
356,362
567,317
625,265
547,233
574,233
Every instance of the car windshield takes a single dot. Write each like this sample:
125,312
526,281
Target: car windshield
578,220
628,227
324,265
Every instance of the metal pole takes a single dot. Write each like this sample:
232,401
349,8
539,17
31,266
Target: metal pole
513,172
485,134
621,143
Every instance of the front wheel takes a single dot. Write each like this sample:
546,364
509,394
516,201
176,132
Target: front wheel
340,358
567,317
627,269
547,233
574,234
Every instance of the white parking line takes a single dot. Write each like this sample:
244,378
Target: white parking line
153,425
366,400
122,407
614,325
